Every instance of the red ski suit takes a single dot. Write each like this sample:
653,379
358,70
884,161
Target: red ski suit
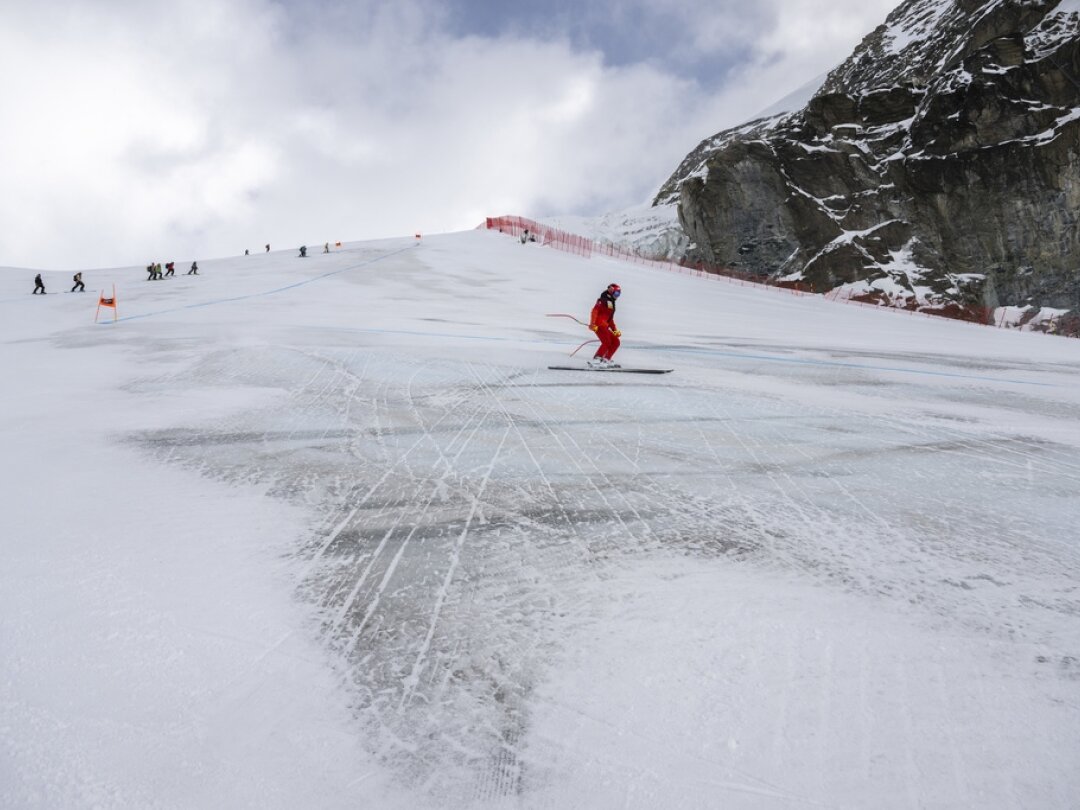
602,322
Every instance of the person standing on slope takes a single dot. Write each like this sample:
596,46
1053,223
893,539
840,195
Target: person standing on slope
77,278
602,321
39,285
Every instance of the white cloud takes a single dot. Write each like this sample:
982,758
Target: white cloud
811,29
143,131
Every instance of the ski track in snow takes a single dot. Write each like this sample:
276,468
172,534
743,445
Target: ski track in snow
485,476
483,529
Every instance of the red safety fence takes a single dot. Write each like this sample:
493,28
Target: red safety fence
528,230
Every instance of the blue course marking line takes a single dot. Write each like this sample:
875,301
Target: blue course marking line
692,350
258,294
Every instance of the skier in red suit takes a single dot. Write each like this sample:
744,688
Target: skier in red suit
602,322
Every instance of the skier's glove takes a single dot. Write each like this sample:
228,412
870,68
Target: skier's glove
594,327
616,332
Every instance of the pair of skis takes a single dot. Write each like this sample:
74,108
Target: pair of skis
602,369
613,369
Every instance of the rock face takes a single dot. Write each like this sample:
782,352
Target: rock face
940,162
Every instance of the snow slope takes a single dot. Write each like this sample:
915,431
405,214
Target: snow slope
327,532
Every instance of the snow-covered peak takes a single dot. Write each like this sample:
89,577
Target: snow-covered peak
952,124
922,38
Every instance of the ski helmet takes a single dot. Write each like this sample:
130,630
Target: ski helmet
614,289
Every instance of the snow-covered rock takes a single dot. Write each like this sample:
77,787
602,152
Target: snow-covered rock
950,136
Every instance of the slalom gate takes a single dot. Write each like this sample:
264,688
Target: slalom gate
109,302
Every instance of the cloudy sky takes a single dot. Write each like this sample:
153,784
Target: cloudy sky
136,130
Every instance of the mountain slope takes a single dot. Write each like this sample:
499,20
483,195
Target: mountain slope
943,157
327,532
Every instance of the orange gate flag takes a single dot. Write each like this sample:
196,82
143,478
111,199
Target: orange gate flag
106,302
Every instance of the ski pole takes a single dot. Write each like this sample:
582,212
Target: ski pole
562,315
582,346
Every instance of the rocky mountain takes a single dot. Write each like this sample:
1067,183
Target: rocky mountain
939,162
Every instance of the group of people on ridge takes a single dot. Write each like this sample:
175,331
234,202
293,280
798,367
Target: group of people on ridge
303,250
78,286
154,270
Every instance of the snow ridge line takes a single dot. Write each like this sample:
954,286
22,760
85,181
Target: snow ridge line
249,296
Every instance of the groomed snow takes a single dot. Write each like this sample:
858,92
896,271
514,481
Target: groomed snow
327,532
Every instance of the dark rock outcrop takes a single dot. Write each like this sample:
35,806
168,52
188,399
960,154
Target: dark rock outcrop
942,159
